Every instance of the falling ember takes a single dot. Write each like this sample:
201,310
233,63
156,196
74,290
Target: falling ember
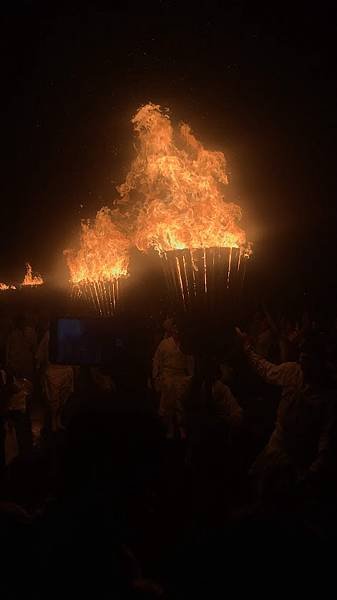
176,191
98,265
30,279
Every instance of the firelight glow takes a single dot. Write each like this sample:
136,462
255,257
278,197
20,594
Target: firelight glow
181,185
101,260
173,201
30,279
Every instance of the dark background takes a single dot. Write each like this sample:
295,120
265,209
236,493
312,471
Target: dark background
258,83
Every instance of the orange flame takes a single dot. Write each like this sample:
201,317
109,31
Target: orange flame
3,287
103,254
172,200
180,189
30,279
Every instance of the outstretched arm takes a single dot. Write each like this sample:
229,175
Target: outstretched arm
286,374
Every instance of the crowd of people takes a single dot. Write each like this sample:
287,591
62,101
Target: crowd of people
164,479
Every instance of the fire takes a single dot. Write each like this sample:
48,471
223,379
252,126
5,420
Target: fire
103,254
102,259
5,286
30,279
175,195
180,186
173,200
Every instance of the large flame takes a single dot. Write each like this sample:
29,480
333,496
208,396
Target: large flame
177,188
97,266
173,200
30,279
103,254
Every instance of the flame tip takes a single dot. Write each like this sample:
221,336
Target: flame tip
30,279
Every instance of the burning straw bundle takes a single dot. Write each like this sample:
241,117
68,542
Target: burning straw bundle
173,200
203,277
99,265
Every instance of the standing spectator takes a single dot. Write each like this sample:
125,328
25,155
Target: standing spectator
172,371
301,446
57,382
21,348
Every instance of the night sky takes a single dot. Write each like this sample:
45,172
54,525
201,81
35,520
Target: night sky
260,84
